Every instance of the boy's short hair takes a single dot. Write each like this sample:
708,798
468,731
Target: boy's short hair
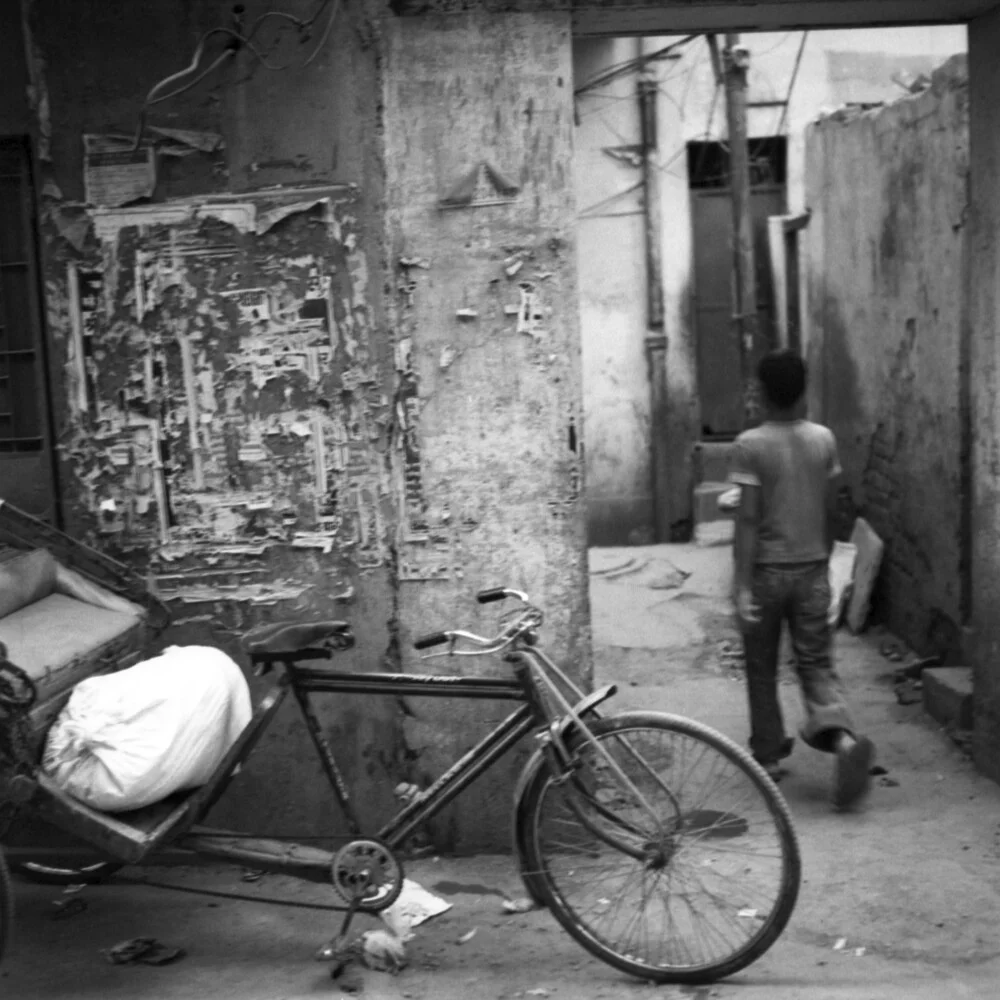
782,376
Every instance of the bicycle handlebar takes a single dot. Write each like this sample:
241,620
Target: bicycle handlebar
493,594
483,597
433,639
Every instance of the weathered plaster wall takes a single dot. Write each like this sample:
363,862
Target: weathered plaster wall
984,382
886,258
479,109
611,248
224,372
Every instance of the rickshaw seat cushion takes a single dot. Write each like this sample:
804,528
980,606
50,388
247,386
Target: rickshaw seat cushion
25,578
50,635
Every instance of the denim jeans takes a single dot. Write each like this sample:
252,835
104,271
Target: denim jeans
799,594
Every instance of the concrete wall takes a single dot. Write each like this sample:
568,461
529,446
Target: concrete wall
984,384
335,442
489,351
836,67
886,244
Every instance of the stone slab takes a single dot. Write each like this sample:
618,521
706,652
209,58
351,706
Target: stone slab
948,695
869,560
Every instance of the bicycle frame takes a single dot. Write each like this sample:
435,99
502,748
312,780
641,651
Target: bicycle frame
174,822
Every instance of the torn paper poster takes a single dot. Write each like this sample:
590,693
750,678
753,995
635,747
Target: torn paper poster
115,173
268,218
108,222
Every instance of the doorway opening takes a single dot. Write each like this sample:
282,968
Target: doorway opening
718,354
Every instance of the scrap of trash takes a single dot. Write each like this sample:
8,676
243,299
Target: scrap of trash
144,950
384,949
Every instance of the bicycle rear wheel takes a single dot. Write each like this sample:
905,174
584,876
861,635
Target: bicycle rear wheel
691,896
6,905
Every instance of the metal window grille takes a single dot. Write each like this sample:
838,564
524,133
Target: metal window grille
21,389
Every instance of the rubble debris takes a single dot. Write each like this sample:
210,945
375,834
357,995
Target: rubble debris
145,950
840,944
909,692
962,738
524,904
382,951
892,651
64,908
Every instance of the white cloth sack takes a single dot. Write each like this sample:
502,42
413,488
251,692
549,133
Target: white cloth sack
131,738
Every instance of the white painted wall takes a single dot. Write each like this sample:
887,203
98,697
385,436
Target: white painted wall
610,227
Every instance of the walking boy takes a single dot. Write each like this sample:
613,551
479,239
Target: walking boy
788,472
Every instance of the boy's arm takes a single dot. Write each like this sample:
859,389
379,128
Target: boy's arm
745,542
747,523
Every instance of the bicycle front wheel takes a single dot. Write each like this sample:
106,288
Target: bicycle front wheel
687,885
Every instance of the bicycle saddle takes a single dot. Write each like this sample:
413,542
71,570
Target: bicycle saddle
281,639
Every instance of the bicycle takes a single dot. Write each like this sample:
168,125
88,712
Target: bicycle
660,845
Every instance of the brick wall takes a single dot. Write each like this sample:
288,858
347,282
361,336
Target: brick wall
886,259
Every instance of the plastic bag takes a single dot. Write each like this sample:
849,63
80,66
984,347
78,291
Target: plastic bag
128,739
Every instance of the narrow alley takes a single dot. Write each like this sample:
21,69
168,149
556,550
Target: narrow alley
898,902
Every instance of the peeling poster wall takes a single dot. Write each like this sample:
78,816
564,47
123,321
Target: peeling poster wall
225,426
223,394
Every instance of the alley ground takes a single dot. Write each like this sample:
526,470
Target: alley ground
913,879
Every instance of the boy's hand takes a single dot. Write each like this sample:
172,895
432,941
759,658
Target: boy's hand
747,611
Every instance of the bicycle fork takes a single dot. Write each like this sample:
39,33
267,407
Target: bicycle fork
524,664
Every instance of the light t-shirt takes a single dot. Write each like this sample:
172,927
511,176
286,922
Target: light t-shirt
792,462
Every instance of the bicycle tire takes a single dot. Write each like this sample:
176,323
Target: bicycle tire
6,906
46,874
690,851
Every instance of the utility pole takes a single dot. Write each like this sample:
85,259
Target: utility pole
656,340
736,63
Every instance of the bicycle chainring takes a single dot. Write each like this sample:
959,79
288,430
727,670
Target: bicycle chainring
367,874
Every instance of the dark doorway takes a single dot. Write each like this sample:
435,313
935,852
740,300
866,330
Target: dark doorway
718,352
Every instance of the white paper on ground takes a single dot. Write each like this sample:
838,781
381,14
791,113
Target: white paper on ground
414,906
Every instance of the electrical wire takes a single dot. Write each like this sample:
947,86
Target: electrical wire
791,82
326,32
239,39
630,66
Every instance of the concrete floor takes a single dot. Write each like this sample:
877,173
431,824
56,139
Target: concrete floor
914,878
